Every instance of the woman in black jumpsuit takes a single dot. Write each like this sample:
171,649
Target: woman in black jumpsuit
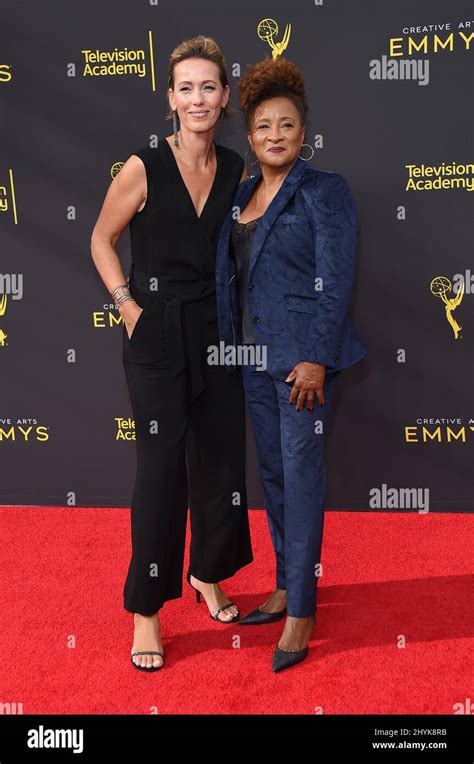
185,410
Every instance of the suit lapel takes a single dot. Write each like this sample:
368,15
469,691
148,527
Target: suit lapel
276,206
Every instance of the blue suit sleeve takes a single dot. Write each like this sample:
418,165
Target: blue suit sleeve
335,229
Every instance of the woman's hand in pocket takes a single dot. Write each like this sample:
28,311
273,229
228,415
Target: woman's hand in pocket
130,312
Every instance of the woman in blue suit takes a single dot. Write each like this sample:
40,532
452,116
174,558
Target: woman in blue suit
284,274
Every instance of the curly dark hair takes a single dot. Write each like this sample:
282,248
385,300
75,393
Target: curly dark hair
272,79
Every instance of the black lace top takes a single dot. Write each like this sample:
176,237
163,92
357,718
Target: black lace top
241,241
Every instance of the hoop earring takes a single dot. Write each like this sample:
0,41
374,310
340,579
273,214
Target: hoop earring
175,128
312,155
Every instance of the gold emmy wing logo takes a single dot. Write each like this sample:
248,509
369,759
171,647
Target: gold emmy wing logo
116,169
440,287
267,30
3,307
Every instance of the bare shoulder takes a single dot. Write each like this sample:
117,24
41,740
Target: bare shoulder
124,198
132,170
132,179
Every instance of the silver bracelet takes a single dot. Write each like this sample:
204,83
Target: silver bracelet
121,294
123,299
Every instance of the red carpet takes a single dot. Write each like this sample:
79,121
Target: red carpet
66,639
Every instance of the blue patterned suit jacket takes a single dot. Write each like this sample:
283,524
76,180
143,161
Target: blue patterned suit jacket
300,273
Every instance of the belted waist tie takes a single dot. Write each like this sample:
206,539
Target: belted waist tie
181,335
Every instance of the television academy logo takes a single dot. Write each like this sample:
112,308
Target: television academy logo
117,62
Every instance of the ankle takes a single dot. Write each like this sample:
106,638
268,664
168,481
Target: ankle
203,584
299,625
138,617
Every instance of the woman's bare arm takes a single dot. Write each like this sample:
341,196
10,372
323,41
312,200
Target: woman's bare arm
125,195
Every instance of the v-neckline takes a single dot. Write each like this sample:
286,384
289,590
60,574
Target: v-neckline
214,182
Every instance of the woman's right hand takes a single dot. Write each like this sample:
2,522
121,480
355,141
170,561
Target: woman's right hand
130,311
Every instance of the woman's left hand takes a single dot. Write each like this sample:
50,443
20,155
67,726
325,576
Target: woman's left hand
308,380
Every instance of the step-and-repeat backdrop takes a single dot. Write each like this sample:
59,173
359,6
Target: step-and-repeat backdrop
390,90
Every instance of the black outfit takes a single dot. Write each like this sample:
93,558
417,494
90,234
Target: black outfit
241,241
189,415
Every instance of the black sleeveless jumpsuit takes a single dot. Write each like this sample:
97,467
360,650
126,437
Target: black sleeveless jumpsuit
189,415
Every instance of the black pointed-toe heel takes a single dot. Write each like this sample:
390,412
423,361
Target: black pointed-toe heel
283,659
258,617
214,616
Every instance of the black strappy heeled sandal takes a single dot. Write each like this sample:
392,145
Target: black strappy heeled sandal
147,652
215,616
